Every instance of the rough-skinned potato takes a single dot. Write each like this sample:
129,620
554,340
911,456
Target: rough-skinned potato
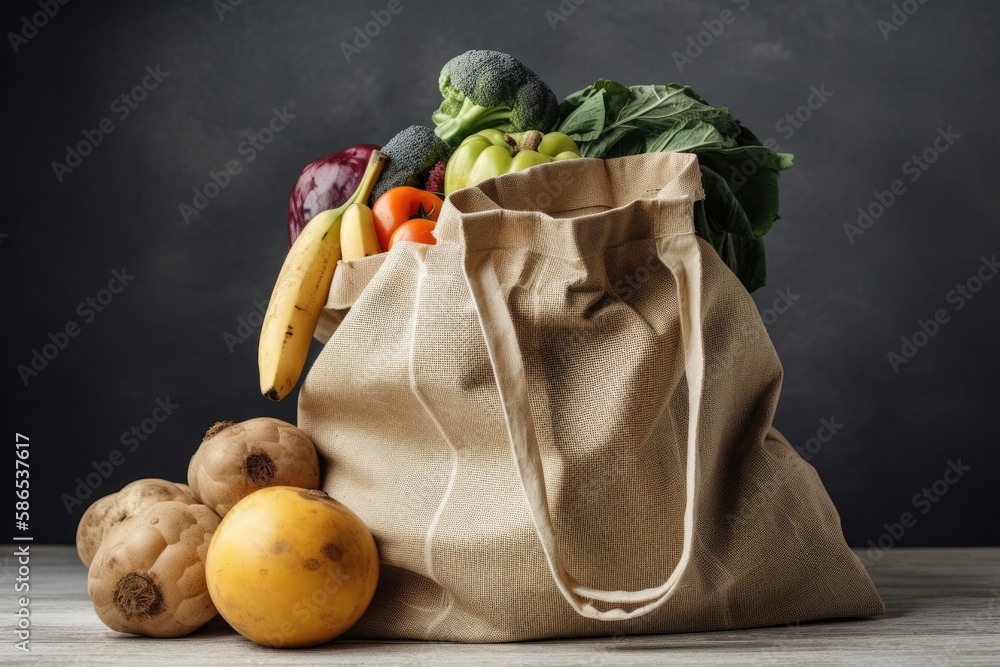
291,567
109,511
148,577
234,460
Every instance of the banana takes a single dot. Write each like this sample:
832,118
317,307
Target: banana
301,291
357,233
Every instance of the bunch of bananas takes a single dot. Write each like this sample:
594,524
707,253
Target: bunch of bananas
303,285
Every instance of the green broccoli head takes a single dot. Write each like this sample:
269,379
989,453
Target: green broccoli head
412,154
489,89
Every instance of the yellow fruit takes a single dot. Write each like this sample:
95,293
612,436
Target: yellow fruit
301,291
357,233
291,567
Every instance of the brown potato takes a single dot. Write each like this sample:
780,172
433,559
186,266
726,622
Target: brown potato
148,577
111,510
235,460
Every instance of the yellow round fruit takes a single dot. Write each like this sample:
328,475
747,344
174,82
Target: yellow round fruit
291,567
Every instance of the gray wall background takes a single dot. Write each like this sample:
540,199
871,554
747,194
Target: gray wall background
163,336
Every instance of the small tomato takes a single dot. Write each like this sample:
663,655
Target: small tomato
418,230
399,205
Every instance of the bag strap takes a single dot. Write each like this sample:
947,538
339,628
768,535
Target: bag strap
681,254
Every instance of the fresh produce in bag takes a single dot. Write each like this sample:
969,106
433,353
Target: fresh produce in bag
557,422
399,206
490,153
324,184
301,291
490,89
412,157
500,117
545,392
740,176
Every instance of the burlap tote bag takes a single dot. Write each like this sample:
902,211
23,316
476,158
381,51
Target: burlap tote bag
557,422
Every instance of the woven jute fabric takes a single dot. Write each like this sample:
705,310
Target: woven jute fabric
556,422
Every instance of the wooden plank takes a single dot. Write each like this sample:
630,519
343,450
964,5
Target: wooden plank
943,607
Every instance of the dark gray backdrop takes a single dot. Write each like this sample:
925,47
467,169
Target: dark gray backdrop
223,73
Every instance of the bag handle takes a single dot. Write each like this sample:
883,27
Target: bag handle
681,254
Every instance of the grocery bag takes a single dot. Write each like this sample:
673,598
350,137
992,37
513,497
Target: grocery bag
556,422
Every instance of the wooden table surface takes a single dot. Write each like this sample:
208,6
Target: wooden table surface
942,608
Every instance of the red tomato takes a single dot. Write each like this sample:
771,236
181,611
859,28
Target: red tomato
401,204
418,230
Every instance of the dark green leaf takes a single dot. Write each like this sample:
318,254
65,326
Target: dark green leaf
751,174
616,95
723,223
586,121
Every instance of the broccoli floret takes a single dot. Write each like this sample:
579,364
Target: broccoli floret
412,154
489,89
